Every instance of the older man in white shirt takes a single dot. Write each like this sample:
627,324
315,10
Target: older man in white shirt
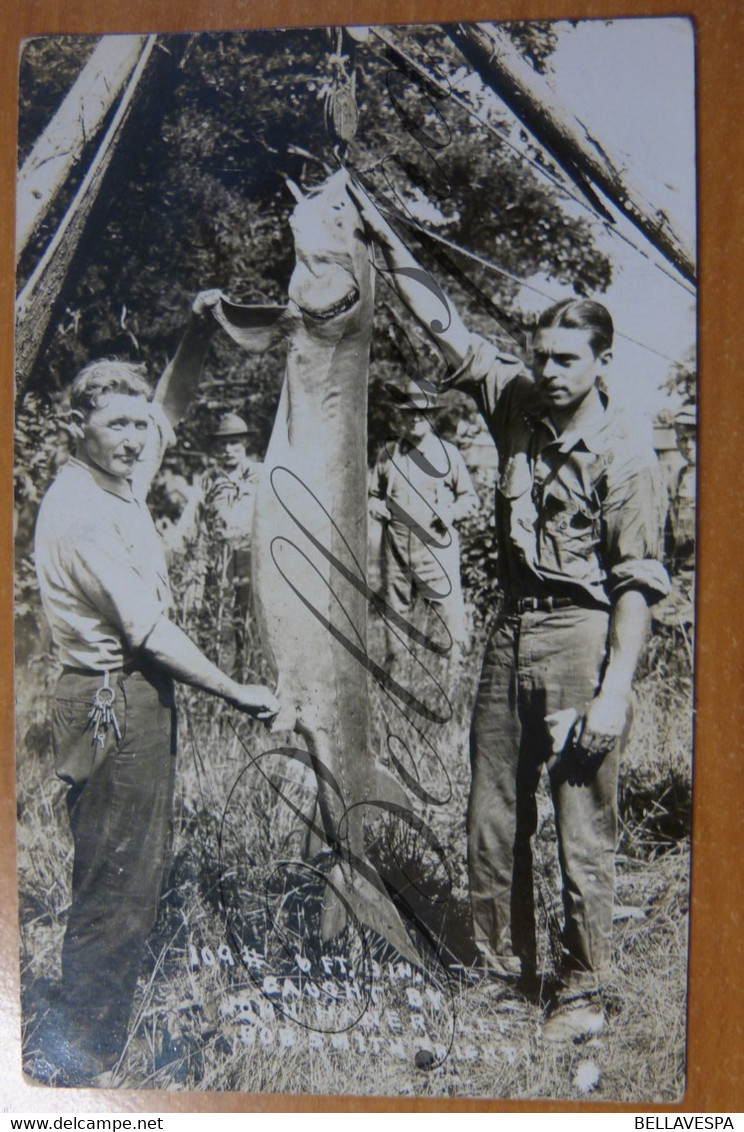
104,587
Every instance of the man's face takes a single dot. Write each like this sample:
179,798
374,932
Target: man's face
415,425
565,366
686,442
114,433
229,451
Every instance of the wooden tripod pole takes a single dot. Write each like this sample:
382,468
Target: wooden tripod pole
498,62
41,295
77,122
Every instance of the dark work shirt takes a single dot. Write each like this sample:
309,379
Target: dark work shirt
578,514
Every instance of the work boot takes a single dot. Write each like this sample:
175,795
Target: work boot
56,1062
65,1052
502,982
572,1018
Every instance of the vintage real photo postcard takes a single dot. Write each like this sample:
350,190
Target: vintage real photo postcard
355,559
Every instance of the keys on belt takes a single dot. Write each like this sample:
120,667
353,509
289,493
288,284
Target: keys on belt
102,714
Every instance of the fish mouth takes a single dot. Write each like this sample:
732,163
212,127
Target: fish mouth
335,309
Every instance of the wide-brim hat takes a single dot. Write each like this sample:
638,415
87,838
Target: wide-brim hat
229,425
686,418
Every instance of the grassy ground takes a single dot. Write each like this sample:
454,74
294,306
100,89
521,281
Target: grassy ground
238,994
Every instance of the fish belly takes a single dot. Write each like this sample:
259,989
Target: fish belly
309,563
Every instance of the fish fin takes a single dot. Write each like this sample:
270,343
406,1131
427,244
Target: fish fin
286,719
369,905
334,914
254,328
387,788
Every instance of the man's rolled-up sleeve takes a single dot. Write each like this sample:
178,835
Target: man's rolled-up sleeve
633,518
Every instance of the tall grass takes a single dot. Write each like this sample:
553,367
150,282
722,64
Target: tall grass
239,993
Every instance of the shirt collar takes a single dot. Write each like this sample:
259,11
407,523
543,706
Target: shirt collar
114,485
428,444
242,468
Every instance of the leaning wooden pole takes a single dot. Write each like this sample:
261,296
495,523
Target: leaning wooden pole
42,293
75,125
498,62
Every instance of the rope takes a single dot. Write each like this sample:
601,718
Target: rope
544,171
452,246
450,92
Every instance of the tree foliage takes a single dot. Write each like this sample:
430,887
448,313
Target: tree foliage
204,203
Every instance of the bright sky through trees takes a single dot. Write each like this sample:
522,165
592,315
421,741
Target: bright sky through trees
632,83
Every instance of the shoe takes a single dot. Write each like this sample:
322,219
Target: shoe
492,966
62,1056
498,988
65,1068
574,1018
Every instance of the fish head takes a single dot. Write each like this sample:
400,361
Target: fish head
332,279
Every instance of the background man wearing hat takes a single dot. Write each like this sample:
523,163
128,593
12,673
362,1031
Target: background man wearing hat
215,530
420,488
682,511
677,610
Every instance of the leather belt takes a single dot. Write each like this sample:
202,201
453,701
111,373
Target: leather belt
126,669
521,605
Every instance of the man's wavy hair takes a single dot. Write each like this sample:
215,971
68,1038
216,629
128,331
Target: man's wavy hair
107,376
581,314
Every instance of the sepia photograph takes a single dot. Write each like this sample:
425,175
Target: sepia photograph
355,555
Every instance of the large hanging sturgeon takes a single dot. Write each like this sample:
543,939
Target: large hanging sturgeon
310,537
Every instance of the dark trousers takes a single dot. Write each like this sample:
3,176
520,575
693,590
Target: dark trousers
227,607
409,571
120,809
534,665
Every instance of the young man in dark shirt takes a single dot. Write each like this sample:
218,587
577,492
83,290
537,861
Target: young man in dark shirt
579,514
